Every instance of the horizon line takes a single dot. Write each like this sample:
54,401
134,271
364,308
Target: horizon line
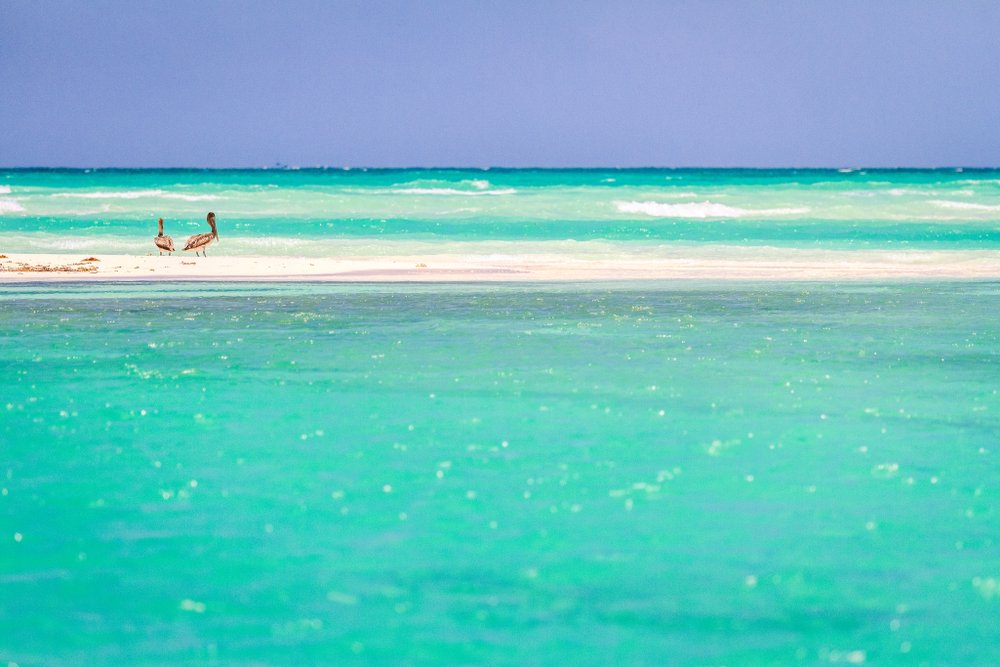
286,167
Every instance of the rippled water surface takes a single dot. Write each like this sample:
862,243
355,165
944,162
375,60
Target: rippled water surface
323,212
690,474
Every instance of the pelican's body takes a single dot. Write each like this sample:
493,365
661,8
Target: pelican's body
164,243
199,242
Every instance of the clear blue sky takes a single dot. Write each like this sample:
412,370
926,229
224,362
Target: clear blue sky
506,83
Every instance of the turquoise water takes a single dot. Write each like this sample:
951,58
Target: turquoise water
649,474
344,212
657,473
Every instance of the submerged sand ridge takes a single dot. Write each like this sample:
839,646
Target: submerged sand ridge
681,264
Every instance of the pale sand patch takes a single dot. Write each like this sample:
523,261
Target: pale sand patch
678,264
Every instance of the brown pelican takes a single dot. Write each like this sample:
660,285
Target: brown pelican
199,242
163,242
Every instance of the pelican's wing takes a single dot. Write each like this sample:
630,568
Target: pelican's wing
197,241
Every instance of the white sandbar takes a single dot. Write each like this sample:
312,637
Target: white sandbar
682,264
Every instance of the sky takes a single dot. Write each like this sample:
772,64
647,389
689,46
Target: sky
476,83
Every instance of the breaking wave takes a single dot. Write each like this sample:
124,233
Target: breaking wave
135,194
965,206
453,191
704,209
10,206
475,186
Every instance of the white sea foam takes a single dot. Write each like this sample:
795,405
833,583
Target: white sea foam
704,209
135,194
82,243
475,186
54,243
277,242
4,189
676,194
979,181
965,206
129,194
177,195
10,206
453,191
905,192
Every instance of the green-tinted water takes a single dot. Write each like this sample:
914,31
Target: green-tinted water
338,212
651,474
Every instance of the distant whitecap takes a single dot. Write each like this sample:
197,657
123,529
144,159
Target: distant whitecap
966,206
10,206
704,209
475,186
453,191
134,194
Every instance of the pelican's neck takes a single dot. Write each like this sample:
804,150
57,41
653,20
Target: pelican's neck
215,233
161,227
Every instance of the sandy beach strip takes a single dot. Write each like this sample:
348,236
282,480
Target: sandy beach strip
774,264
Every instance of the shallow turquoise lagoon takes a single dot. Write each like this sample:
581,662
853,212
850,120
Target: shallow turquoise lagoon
334,212
657,474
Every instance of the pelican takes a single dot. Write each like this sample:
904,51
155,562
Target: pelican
163,242
199,242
